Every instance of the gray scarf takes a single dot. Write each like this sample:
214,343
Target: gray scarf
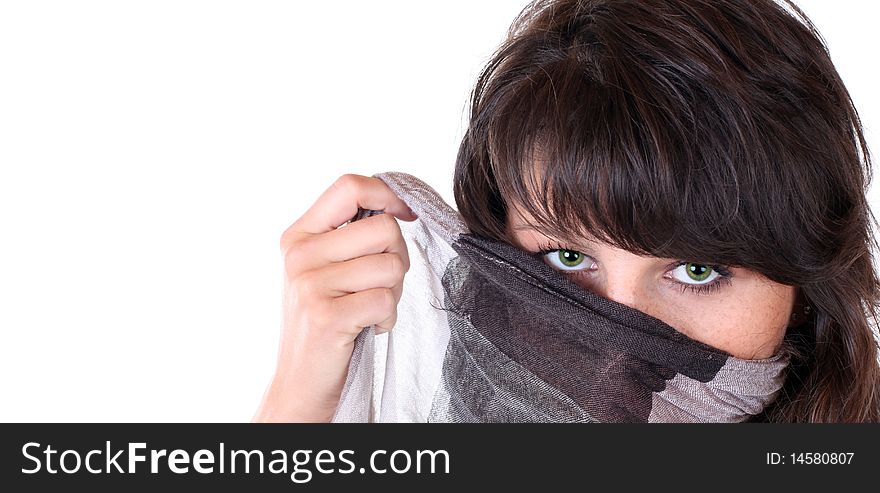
488,333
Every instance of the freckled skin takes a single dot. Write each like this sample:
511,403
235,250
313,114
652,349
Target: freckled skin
747,317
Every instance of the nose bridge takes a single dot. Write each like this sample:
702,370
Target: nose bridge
622,280
621,290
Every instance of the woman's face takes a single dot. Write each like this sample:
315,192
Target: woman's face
733,309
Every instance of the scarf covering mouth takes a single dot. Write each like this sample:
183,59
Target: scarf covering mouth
487,332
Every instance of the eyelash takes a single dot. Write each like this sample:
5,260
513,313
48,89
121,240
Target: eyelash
724,275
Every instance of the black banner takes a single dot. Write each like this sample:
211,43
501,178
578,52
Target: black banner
287,457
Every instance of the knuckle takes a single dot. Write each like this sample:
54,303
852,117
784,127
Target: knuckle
319,316
348,181
307,288
292,262
387,301
389,225
392,319
288,237
395,266
296,254
386,306
405,257
387,324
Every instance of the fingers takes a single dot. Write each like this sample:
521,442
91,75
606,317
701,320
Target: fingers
346,297
371,235
377,306
384,270
340,202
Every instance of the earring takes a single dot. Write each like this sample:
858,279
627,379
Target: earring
797,316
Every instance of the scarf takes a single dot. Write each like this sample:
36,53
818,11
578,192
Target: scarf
487,332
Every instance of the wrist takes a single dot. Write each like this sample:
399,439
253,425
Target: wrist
283,402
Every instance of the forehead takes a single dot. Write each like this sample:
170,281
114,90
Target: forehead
526,231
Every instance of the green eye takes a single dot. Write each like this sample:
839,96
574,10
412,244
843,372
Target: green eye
570,258
698,272
567,260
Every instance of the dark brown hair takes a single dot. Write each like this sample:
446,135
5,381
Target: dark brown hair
707,130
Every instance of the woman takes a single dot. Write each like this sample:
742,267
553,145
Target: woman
700,162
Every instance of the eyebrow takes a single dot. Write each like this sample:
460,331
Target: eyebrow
526,227
579,245
576,244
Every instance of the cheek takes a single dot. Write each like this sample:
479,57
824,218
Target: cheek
749,322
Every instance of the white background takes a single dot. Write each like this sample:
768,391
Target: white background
151,154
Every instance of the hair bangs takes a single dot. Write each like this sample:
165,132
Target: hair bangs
590,160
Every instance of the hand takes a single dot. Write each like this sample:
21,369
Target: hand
337,280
